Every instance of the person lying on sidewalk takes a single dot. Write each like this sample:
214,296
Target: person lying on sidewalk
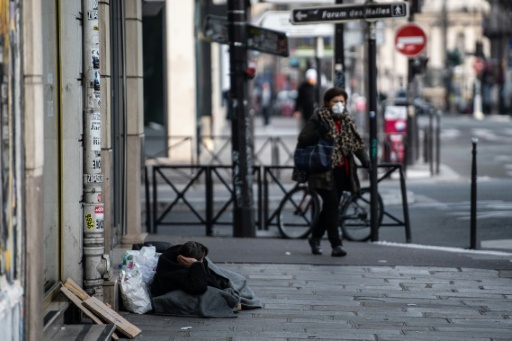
187,283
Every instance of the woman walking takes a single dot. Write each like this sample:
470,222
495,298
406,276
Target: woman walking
333,121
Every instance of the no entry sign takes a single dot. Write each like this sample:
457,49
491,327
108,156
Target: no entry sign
410,40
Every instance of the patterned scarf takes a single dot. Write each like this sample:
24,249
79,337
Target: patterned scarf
347,140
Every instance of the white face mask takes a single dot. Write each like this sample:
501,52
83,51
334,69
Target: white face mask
338,108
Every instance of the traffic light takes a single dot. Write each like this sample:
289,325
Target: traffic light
250,72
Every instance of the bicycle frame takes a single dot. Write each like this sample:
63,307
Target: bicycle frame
298,208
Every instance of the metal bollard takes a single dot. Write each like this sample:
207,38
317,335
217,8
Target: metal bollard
473,196
431,142
426,139
438,140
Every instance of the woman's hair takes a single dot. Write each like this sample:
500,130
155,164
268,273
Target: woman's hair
194,250
334,92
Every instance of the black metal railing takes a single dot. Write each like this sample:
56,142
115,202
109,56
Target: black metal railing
216,149
210,183
201,204
390,168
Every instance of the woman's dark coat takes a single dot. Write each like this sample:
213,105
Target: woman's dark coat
171,276
310,134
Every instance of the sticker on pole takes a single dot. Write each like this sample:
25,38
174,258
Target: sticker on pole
410,40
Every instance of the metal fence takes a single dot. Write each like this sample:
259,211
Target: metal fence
205,194
216,149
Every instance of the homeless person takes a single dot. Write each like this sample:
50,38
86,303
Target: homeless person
187,283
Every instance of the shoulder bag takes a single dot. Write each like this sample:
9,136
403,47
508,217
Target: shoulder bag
315,158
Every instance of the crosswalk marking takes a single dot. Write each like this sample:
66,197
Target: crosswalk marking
450,134
491,135
504,135
492,204
461,210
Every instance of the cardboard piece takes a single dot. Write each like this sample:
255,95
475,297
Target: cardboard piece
79,304
75,289
111,316
97,310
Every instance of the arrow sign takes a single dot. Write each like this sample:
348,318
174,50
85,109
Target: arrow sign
344,13
280,21
299,16
258,38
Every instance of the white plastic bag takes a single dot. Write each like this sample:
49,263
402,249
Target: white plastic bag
134,293
146,259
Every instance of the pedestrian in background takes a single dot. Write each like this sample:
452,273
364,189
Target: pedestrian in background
306,97
332,121
266,103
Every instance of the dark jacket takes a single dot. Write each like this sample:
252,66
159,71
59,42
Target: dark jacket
309,135
306,98
171,276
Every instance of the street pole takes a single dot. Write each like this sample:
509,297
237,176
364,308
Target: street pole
473,239
319,54
410,157
95,262
339,55
372,110
243,215
448,73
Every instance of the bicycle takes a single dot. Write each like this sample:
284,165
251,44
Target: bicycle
300,207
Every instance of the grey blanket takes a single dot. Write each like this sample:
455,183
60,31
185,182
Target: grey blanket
214,302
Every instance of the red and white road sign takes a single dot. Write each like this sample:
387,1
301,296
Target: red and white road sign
410,39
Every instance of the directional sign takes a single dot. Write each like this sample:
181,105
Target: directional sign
280,21
344,13
410,39
258,38
267,41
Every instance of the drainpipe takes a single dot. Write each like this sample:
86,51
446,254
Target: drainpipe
96,263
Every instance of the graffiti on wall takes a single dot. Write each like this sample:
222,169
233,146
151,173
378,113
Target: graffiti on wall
8,213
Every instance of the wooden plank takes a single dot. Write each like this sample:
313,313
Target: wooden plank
79,303
111,316
75,289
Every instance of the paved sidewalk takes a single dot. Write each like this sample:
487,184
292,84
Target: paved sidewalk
378,292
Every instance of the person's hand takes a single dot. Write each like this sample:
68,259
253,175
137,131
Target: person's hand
297,114
186,261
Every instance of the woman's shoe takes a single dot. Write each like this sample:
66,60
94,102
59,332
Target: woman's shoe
315,246
338,252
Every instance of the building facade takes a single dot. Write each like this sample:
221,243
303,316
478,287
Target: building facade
64,96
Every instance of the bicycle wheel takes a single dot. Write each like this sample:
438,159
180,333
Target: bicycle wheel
355,220
297,212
